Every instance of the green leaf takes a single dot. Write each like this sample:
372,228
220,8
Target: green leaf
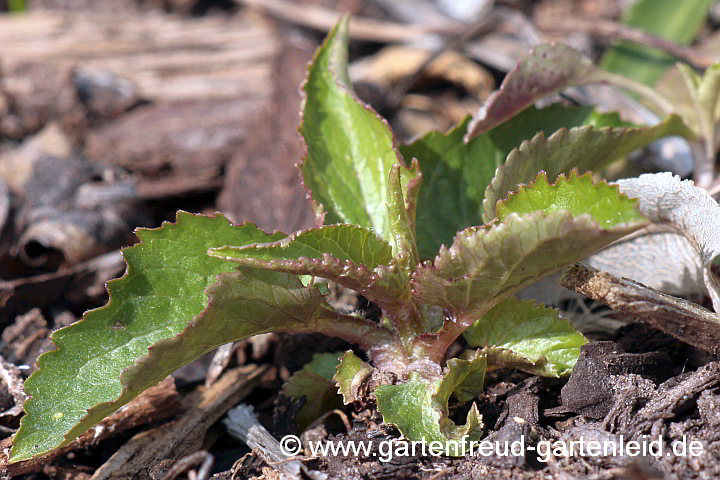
692,96
348,254
486,264
79,383
583,148
456,174
529,337
315,383
669,19
350,376
419,408
350,148
576,194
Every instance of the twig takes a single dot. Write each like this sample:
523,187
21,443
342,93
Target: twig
220,361
613,31
324,19
683,320
201,457
517,22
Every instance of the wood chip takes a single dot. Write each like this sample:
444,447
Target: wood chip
683,320
152,453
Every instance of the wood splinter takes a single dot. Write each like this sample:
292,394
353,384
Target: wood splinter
684,320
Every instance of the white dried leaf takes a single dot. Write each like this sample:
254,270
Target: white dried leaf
678,261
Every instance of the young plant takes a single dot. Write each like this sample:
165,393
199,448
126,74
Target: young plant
388,213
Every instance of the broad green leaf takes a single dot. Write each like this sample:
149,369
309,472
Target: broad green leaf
315,383
419,408
350,148
523,335
456,174
79,383
486,264
351,255
350,376
546,70
583,148
669,19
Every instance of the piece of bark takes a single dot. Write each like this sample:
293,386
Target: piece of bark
35,94
152,453
85,280
182,95
156,403
74,210
262,184
12,383
26,338
589,390
683,320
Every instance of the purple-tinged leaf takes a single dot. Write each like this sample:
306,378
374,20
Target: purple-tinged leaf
348,254
546,70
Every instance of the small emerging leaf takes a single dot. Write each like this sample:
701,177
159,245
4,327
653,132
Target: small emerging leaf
486,264
350,376
401,225
350,147
315,383
529,337
704,92
419,408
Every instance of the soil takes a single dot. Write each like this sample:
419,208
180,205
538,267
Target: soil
619,391
113,115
